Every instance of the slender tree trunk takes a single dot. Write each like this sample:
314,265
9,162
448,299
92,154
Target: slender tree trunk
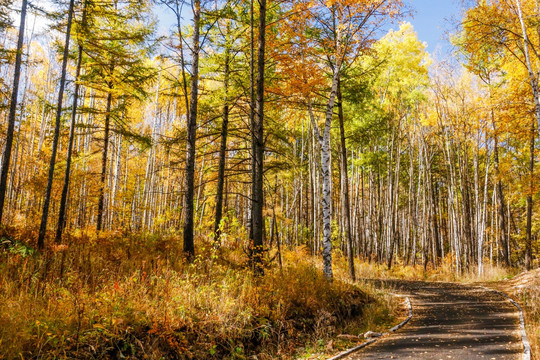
189,247
327,216
45,214
101,200
326,171
528,240
533,79
222,152
257,129
483,225
6,157
503,240
65,189
346,200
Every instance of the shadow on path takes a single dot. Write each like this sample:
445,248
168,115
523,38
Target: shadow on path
450,321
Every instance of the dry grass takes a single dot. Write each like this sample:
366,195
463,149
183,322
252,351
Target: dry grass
444,272
525,289
119,296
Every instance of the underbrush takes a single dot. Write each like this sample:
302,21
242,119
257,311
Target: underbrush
530,298
118,296
445,271
525,288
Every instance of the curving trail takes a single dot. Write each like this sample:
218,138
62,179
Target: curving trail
451,321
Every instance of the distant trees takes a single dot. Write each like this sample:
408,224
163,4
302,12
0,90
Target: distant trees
498,38
5,24
224,132
339,30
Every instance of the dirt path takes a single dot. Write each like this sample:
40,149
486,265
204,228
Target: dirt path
451,321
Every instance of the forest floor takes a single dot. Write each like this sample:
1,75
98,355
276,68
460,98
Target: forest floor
125,296
131,296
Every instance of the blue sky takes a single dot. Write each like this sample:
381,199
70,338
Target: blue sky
433,19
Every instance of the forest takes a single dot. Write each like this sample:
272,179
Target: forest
223,179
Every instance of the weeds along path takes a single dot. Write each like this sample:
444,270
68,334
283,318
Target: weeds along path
451,321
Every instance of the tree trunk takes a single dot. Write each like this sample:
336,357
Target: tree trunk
45,214
189,247
252,99
326,170
257,129
503,239
528,240
63,201
101,200
222,152
6,158
346,200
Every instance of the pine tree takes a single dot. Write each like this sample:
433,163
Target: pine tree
6,158
118,41
67,174
46,202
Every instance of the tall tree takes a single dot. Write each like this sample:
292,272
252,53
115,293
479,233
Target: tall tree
257,129
67,173
50,178
534,82
224,133
189,246
118,39
345,182
6,158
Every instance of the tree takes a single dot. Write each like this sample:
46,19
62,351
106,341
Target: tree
257,133
345,180
189,247
46,202
63,201
224,131
12,110
118,39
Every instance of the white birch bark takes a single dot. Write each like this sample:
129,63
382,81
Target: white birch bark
533,78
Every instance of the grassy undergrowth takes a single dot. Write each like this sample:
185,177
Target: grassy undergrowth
444,272
118,296
525,289
530,298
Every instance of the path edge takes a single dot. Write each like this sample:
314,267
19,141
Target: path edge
371,341
524,339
